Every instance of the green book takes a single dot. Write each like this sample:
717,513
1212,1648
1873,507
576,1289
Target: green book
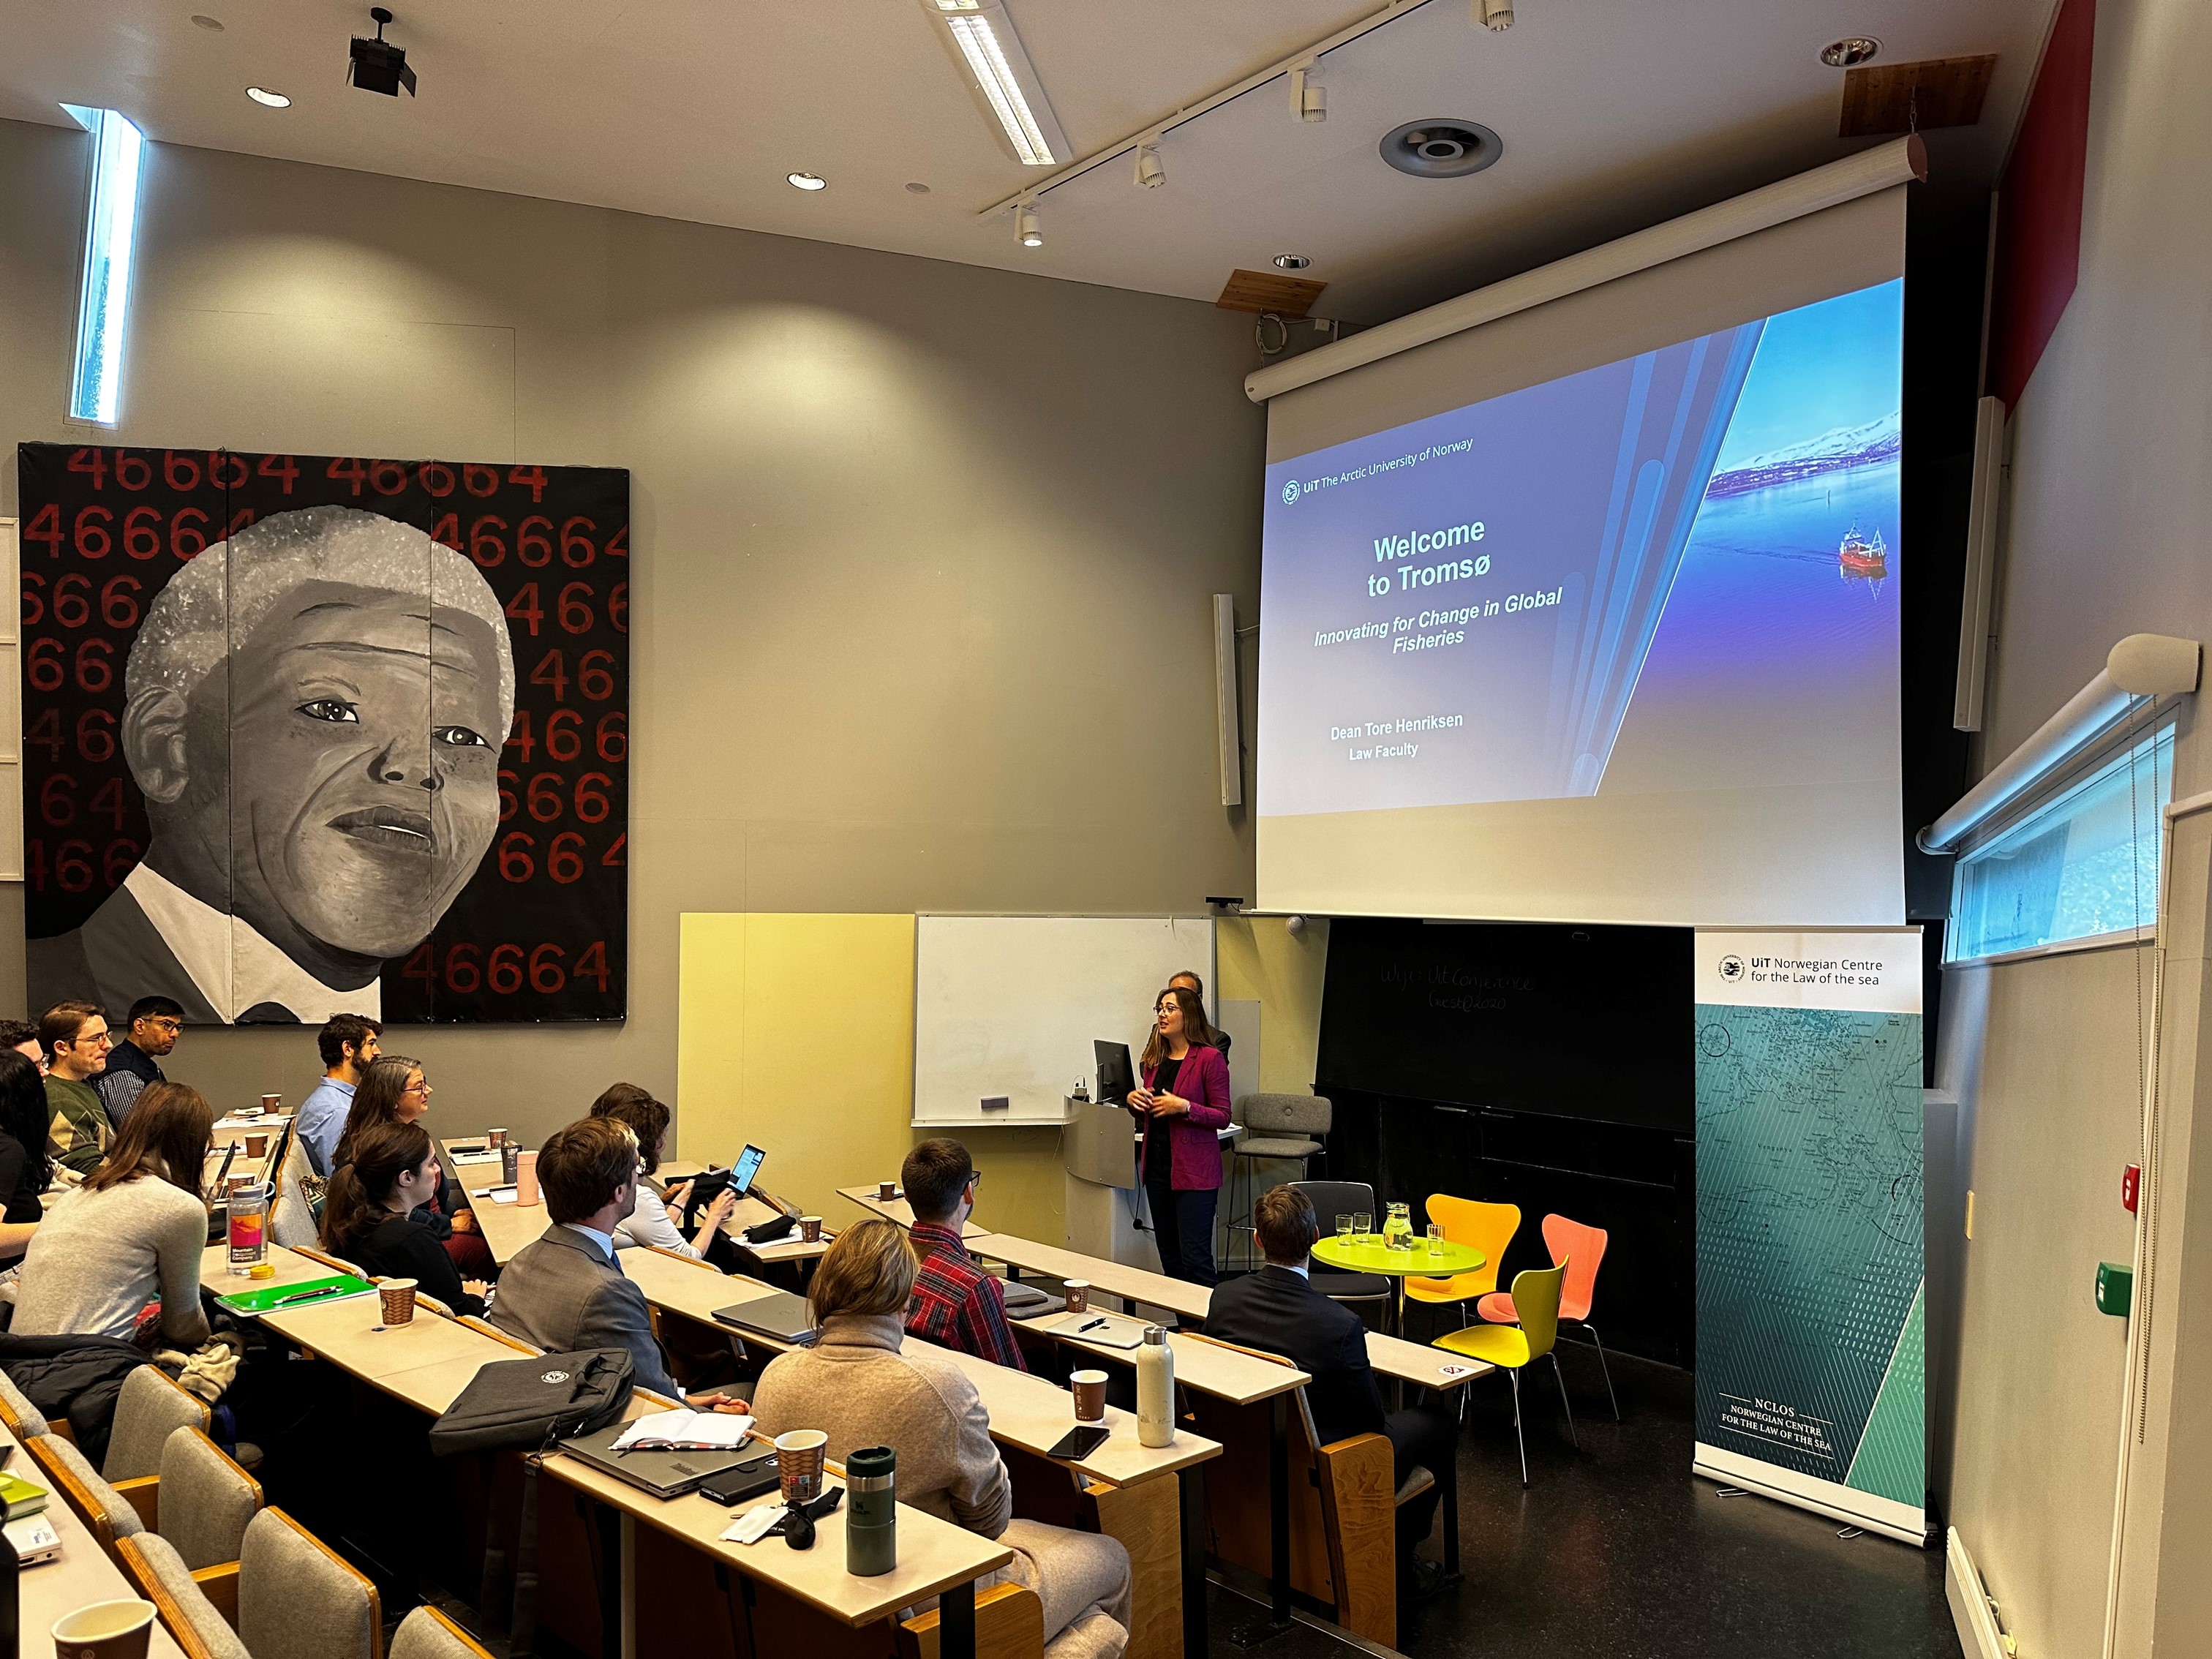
300,1293
22,1497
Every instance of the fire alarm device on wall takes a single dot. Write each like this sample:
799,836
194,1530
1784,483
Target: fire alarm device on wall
2130,1187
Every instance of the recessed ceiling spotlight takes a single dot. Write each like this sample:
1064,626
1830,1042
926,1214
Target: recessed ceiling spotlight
213,25
1291,262
806,181
917,188
1850,51
267,99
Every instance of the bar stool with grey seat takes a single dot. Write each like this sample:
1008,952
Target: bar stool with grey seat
1330,1199
1280,1126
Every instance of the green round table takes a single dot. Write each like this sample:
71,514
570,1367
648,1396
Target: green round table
1369,1255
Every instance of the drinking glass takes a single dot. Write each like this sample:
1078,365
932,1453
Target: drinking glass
1363,1224
1344,1228
1436,1239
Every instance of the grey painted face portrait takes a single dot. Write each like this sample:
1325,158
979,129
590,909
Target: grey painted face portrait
315,712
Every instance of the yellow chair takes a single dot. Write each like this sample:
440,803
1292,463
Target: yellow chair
1488,1228
1511,1348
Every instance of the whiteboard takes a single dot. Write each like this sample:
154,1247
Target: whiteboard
1011,1005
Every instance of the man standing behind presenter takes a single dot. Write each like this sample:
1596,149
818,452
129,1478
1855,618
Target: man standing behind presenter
1183,1100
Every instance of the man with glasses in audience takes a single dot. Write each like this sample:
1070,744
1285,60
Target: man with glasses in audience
955,1304
156,1024
76,1035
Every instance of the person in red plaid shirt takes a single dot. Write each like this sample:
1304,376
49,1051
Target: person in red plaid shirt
956,1304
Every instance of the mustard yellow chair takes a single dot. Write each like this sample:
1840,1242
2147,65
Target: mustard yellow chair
1488,1228
1513,1347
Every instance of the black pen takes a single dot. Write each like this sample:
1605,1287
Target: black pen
1093,1325
308,1295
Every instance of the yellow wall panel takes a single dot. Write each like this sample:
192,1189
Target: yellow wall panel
796,1032
1258,960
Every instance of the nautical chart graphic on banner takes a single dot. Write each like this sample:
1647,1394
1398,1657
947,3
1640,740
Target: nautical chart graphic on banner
1811,1272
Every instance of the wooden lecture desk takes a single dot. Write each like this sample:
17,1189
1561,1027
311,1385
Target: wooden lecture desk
507,1227
1030,1414
238,1126
1228,1374
429,1361
895,1209
79,1576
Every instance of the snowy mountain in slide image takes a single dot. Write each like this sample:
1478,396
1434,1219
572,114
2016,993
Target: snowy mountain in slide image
1839,447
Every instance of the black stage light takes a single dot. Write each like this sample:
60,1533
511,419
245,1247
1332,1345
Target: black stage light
377,65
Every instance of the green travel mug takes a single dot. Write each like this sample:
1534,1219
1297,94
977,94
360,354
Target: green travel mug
871,1512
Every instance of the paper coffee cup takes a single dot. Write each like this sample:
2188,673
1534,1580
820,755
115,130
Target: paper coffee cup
1090,1390
272,1103
1078,1292
106,1630
398,1296
798,1459
257,1145
810,1229
525,1178
887,1190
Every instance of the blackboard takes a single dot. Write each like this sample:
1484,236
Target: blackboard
1580,1022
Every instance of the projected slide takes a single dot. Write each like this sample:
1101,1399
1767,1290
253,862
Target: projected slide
1674,574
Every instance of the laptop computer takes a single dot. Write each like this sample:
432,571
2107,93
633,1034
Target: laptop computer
781,1317
667,1474
1026,1301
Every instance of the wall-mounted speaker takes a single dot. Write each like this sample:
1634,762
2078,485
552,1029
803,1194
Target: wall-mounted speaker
1974,620
1224,699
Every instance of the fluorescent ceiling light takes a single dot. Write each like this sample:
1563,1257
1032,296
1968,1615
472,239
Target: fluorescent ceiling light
270,100
982,34
103,305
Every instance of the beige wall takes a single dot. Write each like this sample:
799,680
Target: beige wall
923,552
2110,494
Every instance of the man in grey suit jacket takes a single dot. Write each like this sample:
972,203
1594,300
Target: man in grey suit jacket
567,1290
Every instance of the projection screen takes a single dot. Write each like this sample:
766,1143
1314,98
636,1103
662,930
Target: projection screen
1591,613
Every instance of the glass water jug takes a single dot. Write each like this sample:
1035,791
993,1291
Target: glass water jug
1398,1228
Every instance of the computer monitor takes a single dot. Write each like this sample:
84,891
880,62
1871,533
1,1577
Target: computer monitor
1116,1077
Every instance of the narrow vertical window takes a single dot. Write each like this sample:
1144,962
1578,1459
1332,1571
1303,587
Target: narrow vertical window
96,385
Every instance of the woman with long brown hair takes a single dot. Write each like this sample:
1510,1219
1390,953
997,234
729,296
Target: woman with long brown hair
132,1235
1184,1099
652,1220
368,1213
396,1089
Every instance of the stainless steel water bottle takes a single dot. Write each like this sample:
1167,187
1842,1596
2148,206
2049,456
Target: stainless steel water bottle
871,1512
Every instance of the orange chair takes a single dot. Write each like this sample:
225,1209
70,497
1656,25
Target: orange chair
1583,1247
1488,1228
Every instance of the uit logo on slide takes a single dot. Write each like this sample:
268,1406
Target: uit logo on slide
1731,968
1290,492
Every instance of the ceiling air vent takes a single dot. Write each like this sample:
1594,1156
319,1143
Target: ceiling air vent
1441,148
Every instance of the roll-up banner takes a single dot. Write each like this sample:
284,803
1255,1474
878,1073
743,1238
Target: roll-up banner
1811,1274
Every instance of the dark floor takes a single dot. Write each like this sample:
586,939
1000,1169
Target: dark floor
1619,1550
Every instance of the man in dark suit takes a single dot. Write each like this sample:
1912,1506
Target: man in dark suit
567,1289
1277,1310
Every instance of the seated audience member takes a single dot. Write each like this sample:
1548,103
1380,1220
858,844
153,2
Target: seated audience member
651,1219
77,1128
368,1213
955,1303
865,1384
25,1169
155,1024
23,1037
1277,1311
566,1291
131,1236
393,1090
348,1045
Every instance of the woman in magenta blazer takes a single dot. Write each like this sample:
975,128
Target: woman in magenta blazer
1184,1099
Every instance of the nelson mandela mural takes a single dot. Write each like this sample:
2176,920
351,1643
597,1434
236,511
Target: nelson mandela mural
319,716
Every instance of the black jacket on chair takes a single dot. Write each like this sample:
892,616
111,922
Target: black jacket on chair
1278,1311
